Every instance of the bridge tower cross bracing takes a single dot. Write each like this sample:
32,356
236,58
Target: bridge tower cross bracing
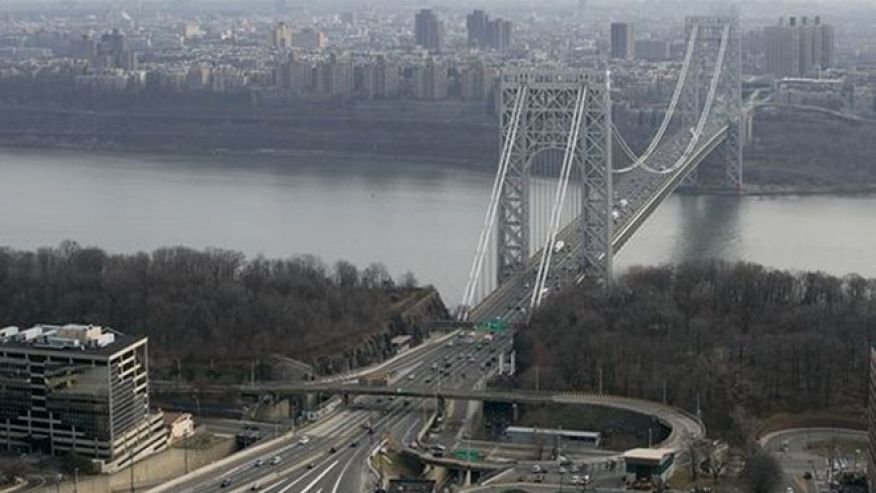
545,125
710,31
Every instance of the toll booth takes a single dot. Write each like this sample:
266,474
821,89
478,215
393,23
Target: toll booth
650,464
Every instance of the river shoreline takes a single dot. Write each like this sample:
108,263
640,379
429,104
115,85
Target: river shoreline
750,190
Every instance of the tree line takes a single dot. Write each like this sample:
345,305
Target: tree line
741,340
200,306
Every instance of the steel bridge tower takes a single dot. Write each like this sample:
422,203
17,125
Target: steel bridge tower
540,111
709,33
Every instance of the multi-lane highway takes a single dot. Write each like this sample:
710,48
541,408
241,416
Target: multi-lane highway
334,457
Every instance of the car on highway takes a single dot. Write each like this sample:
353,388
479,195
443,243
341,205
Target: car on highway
225,483
537,469
332,450
255,487
275,460
304,440
310,465
259,462
354,444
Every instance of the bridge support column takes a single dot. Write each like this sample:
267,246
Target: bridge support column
732,152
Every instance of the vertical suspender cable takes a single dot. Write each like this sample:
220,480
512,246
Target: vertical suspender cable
559,197
498,185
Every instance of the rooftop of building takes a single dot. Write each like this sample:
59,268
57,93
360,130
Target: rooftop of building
90,339
648,454
554,431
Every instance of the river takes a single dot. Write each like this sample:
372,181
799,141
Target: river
412,216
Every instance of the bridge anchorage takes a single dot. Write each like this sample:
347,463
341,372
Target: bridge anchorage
563,201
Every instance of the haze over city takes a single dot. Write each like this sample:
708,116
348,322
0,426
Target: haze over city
413,246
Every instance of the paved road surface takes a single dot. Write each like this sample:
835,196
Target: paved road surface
790,448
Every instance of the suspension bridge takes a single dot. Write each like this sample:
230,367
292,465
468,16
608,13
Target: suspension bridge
564,201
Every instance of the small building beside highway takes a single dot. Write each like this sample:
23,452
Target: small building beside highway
571,438
650,464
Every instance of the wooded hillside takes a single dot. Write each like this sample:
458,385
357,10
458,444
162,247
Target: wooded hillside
746,339
199,306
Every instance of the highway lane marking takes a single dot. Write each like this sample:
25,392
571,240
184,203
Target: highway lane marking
341,475
312,483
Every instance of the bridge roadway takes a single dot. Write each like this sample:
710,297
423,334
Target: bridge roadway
394,418
343,472
642,190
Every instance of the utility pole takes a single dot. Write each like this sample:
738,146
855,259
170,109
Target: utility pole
600,380
76,480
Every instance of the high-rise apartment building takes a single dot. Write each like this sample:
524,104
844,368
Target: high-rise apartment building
334,78
798,48
77,388
112,52
378,80
476,82
308,39
281,36
428,30
623,42
499,34
486,33
430,81
476,27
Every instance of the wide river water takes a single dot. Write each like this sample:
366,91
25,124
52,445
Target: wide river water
413,216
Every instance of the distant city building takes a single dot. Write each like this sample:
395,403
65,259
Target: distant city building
798,49
499,34
379,80
309,39
112,52
622,40
78,388
476,82
334,78
476,28
652,50
84,47
430,81
486,33
281,36
428,30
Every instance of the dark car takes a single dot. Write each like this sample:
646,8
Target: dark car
354,444
332,450
225,483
